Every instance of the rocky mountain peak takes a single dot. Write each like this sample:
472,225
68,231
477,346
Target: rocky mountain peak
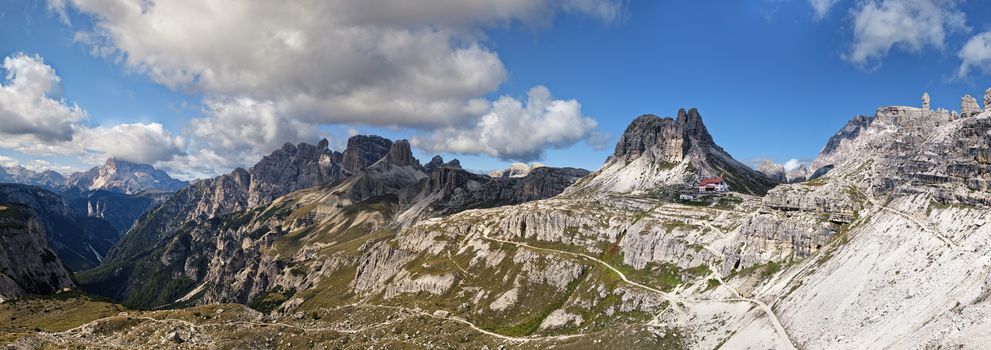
118,175
290,168
655,151
644,133
400,154
363,151
773,170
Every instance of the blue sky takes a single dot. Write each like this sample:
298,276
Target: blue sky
772,79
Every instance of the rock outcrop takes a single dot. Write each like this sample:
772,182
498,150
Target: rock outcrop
27,265
925,101
969,107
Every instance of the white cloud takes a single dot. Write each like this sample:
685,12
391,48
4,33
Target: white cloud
377,62
516,130
7,162
141,143
976,53
27,106
822,7
274,72
234,132
35,122
909,25
793,164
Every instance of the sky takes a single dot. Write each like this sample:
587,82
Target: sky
200,87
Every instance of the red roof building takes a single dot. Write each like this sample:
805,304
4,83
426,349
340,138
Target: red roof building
713,185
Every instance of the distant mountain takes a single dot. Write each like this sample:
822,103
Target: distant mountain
80,242
516,170
655,152
124,177
27,265
778,173
17,174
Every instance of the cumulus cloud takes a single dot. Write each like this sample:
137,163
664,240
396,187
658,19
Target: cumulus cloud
516,130
909,25
376,62
141,143
36,122
233,132
976,53
822,7
29,106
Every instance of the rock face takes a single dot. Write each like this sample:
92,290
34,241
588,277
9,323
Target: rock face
125,177
655,152
27,265
400,154
80,242
293,168
969,107
836,145
451,190
362,151
987,100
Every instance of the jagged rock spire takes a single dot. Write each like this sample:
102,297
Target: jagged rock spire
925,101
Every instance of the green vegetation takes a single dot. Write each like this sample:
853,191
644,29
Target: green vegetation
710,284
766,270
530,325
272,299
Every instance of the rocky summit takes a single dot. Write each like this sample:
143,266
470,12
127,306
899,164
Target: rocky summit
655,152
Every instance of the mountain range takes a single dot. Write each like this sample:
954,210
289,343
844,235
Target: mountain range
878,243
